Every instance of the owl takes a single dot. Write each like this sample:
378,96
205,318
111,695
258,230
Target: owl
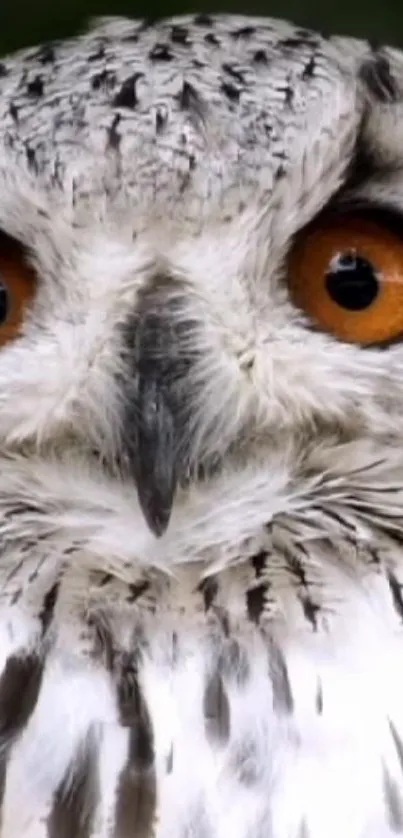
201,444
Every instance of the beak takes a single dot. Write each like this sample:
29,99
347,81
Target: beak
156,466
157,399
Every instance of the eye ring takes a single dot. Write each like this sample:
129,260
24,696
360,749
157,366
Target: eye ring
18,284
346,274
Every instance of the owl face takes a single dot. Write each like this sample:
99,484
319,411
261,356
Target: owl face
201,250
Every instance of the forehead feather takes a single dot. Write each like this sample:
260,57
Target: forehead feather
193,118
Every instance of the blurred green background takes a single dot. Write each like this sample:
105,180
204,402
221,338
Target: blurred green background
25,22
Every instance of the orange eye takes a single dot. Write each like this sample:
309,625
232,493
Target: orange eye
346,274
17,288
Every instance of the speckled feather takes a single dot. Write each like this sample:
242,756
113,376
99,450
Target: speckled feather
240,675
186,114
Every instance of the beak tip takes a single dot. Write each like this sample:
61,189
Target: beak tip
157,515
158,524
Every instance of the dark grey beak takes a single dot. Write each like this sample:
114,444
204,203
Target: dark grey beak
157,399
156,466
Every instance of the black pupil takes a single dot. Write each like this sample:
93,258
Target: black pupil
4,303
352,281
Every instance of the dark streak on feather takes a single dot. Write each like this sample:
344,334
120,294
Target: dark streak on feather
127,95
398,743
334,516
160,52
35,88
230,91
74,803
396,591
235,74
212,40
259,562
114,137
393,801
170,761
20,684
243,32
297,569
376,75
203,20
136,798
134,712
48,607
282,694
216,710
136,590
311,610
189,99
319,699
255,599
260,57
209,590
180,35
233,661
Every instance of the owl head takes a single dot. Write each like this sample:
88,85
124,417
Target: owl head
201,252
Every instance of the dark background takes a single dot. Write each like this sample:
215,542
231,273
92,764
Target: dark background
25,22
